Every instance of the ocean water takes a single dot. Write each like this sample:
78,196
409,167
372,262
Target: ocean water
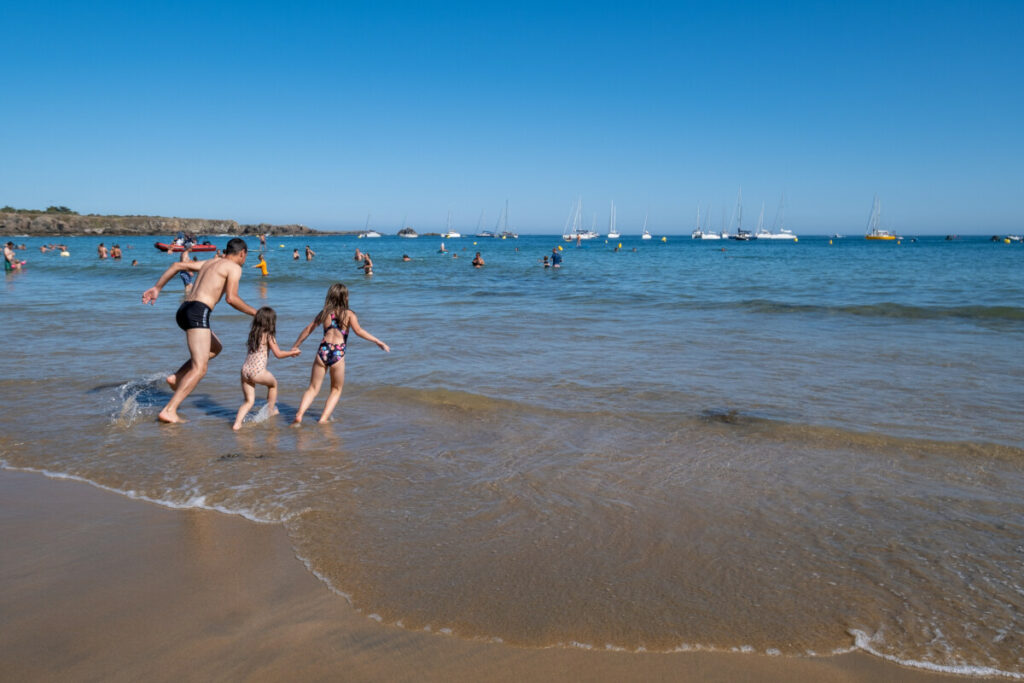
794,448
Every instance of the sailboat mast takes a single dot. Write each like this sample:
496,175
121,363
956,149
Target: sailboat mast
739,211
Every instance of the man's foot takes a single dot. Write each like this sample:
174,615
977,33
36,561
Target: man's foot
170,417
172,381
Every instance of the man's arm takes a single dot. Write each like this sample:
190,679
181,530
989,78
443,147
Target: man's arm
151,294
231,292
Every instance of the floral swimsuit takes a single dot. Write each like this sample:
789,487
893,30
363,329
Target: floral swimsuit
331,353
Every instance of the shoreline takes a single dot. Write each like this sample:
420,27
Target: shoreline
96,585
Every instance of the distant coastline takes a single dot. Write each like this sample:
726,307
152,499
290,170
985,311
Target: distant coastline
60,221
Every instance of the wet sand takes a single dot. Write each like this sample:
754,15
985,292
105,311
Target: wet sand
94,586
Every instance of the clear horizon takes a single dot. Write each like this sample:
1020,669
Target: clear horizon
323,114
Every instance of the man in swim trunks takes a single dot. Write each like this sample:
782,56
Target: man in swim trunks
214,278
11,261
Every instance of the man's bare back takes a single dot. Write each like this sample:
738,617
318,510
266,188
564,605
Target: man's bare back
212,281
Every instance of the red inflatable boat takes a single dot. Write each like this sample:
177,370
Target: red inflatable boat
162,246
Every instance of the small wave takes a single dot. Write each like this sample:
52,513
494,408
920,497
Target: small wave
888,310
869,643
197,502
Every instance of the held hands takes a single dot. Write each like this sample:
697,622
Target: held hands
294,351
150,295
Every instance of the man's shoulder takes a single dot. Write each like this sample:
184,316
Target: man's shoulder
223,265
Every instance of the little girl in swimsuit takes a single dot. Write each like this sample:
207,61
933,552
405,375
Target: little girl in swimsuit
254,369
336,320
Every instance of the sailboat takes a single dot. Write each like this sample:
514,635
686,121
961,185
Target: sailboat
762,232
741,234
406,231
780,234
577,232
369,232
875,232
449,233
704,232
479,223
613,232
504,232
645,233
701,233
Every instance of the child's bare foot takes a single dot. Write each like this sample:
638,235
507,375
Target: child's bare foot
172,381
236,426
170,417
324,420
297,421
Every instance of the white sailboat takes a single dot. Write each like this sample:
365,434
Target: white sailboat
502,228
613,232
704,231
406,232
645,233
369,232
761,230
449,233
779,233
577,232
479,232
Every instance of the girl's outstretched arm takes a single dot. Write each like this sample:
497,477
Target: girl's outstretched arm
278,353
353,323
306,331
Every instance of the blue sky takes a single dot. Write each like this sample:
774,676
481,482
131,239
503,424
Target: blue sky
320,113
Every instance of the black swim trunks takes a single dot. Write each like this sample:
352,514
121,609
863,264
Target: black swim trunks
193,315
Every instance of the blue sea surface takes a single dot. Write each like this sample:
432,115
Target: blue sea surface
797,447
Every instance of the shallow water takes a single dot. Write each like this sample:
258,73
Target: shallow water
792,447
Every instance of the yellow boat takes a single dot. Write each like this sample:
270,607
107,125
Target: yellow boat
874,232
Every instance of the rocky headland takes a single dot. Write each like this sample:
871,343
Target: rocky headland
45,223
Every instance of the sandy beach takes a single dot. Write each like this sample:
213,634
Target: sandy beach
94,586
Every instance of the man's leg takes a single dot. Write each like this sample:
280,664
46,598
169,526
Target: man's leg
215,348
200,347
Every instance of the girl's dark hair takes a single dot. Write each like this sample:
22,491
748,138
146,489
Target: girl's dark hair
263,323
335,302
